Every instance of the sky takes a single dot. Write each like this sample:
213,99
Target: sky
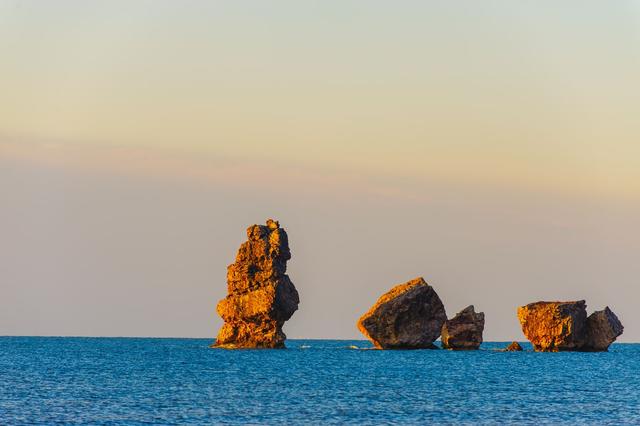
490,147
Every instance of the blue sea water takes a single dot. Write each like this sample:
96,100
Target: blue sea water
136,381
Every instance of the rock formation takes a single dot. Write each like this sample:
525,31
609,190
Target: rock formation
409,316
554,326
261,297
564,326
603,327
464,331
513,347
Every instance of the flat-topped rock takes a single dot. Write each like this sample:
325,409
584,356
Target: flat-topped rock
554,326
409,316
463,331
261,297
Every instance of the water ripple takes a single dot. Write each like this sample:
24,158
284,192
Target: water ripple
115,381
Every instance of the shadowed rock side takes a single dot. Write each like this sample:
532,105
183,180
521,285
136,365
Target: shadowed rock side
261,297
409,316
464,331
564,326
513,347
603,327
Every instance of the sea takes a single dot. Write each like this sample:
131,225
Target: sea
150,381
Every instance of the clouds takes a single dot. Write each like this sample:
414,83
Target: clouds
532,96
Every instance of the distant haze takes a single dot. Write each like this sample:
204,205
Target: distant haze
491,148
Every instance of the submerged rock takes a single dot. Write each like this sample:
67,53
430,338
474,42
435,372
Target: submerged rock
464,331
513,347
261,297
603,327
554,326
564,326
409,316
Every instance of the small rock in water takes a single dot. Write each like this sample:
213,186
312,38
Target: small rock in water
464,331
513,347
409,316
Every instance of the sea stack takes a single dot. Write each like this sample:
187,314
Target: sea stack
464,331
409,316
564,326
261,297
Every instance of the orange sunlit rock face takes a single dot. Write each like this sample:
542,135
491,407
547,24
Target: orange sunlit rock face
261,297
554,326
564,326
409,316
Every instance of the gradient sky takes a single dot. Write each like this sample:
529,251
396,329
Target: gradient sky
491,147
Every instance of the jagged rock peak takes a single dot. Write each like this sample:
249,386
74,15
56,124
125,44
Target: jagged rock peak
464,331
